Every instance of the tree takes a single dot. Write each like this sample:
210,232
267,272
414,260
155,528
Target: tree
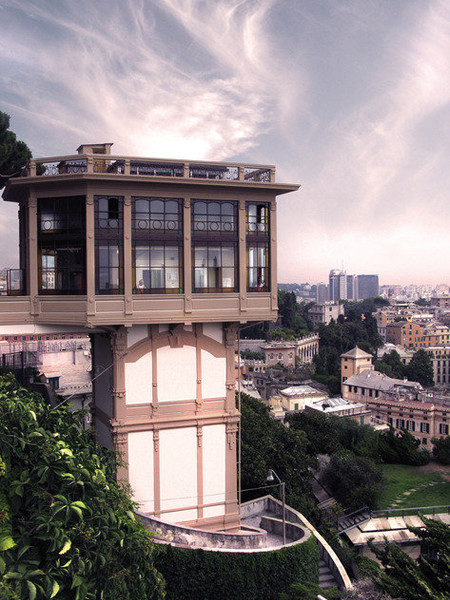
354,481
426,579
291,313
420,369
68,528
391,364
267,444
319,430
14,154
402,448
441,450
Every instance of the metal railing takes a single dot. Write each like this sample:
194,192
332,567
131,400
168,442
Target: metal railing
416,510
120,165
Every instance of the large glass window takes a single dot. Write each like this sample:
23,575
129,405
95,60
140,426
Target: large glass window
157,245
258,267
61,245
157,214
214,246
157,268
257,218
214,267
258,231
214,217
109,244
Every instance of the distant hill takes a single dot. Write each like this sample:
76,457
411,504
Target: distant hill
289,287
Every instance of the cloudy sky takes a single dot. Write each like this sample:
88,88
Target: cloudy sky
349,98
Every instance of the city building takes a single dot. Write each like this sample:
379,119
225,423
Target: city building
306,398
399,403
64,359
367,286
322,293
353,362
285,352
337,285
405,355
352,287
161,262
325,312
440,360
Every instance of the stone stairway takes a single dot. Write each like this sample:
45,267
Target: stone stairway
346,522
326,577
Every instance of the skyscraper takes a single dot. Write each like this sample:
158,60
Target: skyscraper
338,285
367,286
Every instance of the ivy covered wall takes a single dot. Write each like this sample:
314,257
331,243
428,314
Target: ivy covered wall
192,574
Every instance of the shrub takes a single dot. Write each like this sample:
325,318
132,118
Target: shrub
237,576
68,528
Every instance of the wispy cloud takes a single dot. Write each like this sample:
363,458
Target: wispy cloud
172,77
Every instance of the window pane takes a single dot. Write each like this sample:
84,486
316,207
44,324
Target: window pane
200,256
157,256
200,278
228,277
172,256
214,257
142,256
228,256
172,278
156,278
113,256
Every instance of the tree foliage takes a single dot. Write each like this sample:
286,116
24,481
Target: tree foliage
441,450
267,444
391,365
420,369
294,316
402,448
356,309
14,154
68,529
339,337
428,578
355,481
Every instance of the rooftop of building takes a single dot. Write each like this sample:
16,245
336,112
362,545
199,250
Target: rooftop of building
356,353
423,405
379,381
96,161
302,391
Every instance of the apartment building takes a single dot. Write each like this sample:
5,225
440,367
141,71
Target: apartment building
325,312
424,420
400,403
161,262
440,360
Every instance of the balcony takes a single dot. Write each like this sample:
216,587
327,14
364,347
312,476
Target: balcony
93,164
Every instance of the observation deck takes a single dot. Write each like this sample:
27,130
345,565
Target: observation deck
115,240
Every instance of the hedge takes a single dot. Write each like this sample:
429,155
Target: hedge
208,575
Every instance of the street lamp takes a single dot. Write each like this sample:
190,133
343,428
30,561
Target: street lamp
271,477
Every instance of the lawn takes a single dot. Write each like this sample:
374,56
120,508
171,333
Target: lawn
426,488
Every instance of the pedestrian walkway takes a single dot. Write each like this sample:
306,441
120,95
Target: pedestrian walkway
394,529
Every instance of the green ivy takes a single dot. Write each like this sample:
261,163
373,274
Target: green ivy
210,575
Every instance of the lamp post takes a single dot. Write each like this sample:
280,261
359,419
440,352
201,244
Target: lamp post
271,477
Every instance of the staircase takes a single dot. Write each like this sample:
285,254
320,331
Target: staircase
326,577
346,522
